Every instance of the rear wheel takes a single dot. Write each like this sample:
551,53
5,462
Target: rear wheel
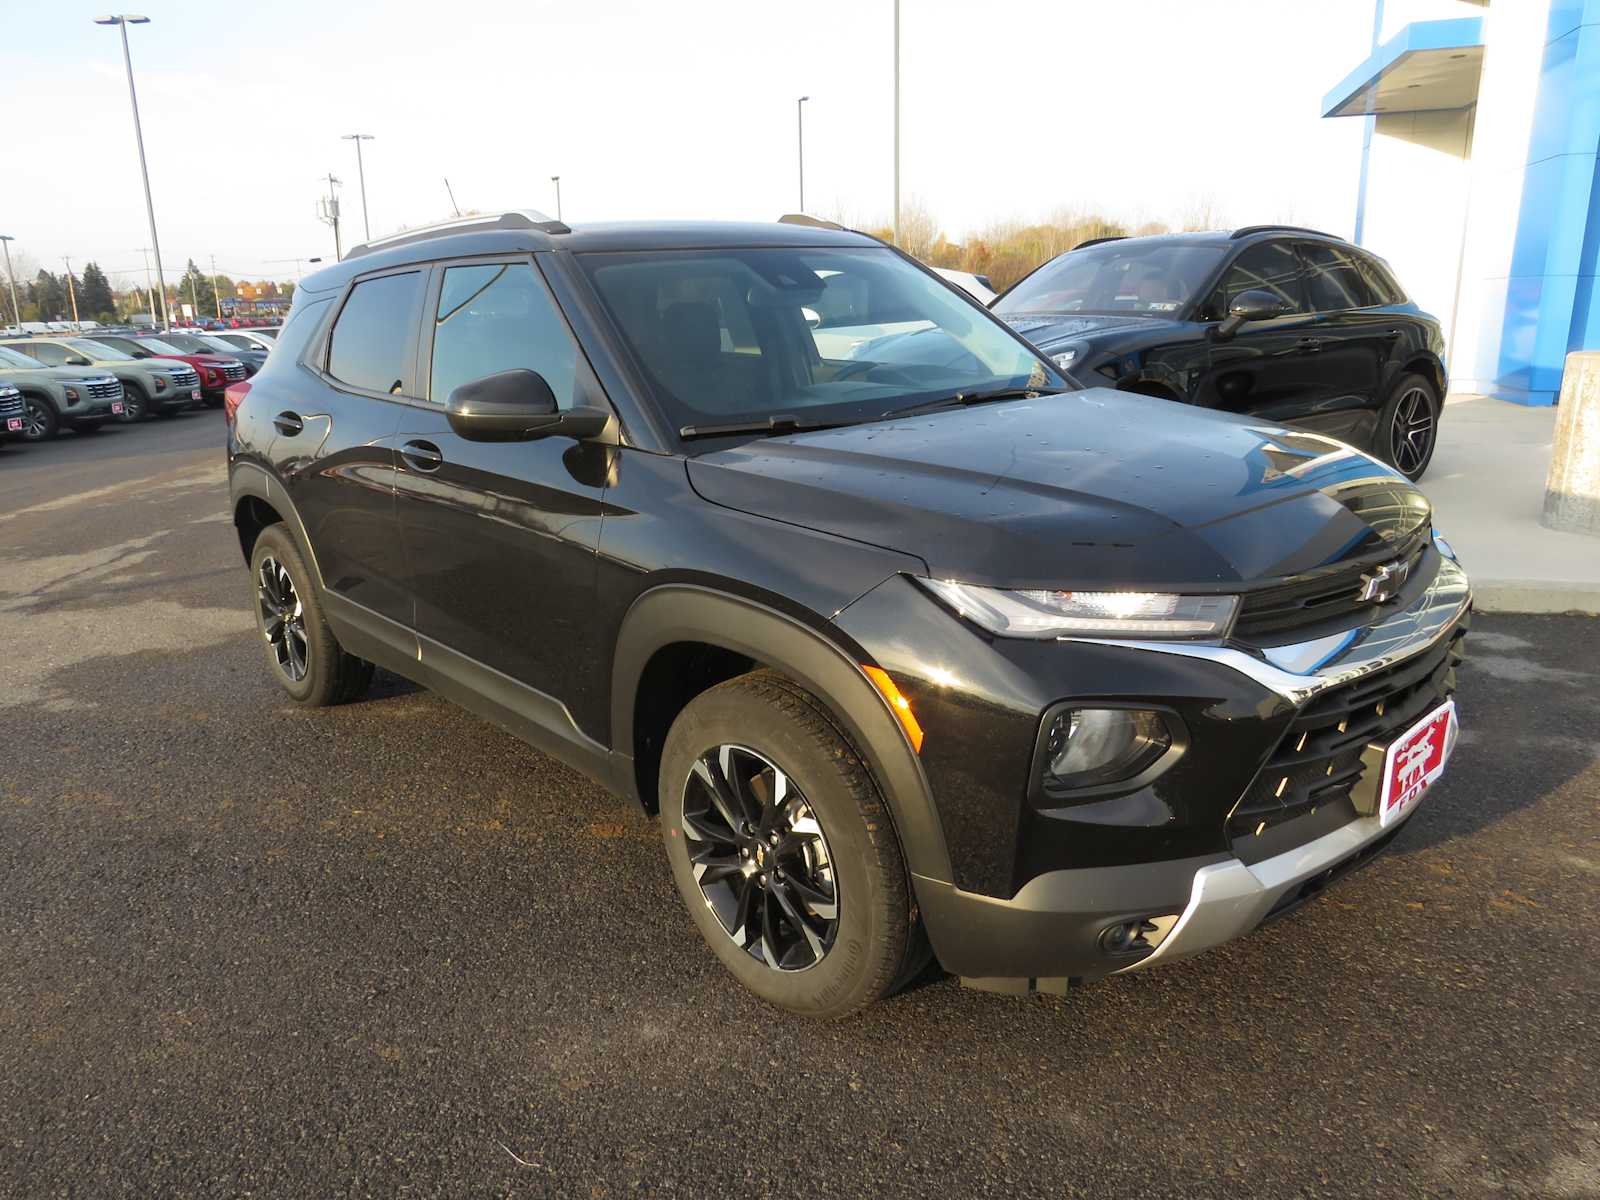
1408,428
784,851
304,657
39,423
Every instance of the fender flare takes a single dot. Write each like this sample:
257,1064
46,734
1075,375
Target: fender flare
689,613
248,479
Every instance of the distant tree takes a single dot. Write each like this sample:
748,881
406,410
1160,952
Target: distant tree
196,288
95,299
47,295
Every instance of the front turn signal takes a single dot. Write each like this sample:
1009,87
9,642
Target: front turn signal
898,704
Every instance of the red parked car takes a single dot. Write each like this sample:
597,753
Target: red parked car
216,371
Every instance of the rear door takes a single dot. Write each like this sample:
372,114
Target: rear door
332,442
501,536
1356,337
1268,369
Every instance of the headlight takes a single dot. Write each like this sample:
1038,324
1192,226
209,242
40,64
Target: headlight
1095,747
72,395
161,383
1047,614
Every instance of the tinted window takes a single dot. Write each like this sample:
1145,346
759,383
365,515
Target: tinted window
124,344
368,347
1142,275
47,353
1333,279
1379,279
497,317
1269,267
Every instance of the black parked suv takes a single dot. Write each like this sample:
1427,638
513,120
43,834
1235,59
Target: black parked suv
929,650
1275,322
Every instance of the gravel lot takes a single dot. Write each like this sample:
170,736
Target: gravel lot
386,949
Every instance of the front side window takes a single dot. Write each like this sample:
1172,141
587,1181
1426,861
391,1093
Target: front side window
1333,279
1130,275
1268,267
368,347
497,317
739,336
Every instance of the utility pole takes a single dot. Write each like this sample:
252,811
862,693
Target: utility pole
800,126
216,290
6,240
556,179
72,292
329,214
361,172
122,22
897,122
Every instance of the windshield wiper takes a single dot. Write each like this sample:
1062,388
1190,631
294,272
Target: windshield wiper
778,423
962,399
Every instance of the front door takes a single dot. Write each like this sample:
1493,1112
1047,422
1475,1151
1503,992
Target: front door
1268,369
500,537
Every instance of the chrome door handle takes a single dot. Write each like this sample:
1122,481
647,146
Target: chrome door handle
422,456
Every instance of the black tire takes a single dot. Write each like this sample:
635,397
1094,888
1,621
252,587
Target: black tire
1408,426
40,422
873,943
306,660
135,405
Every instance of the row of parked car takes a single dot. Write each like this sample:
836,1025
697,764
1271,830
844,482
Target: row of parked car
49,383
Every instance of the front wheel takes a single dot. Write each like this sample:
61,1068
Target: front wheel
39,422
1408,428
134,406
784,851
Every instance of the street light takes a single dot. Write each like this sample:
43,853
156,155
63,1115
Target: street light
556,179
361,171
800,123
122,22
5,241
897,122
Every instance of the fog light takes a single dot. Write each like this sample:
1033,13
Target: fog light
1092,747
1137,937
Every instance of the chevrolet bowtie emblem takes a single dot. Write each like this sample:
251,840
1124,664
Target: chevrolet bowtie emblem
1383,582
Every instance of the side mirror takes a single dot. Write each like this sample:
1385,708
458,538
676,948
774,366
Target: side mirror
518,406
74,361
1257,304
143,354
812,316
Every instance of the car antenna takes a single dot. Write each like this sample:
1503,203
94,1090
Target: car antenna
452,196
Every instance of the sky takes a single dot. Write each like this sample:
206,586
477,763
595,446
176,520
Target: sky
1010,110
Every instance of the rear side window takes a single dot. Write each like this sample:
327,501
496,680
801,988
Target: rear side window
1333,279
1269,267
46,352
368,347
497,317
1379,279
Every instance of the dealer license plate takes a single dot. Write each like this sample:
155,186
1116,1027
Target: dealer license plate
1415,760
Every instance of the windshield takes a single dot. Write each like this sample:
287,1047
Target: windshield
187,343
14,358
98,350
740,336
1133,275
157,346
211,345
270,334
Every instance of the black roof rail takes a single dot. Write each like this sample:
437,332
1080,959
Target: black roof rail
1100,241
520,218
1247,230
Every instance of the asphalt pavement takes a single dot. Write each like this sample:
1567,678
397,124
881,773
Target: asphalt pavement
386,949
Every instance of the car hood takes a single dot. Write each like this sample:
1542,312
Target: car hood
1094,488
1049,330
59,376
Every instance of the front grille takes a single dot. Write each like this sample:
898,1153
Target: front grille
233,374
11,404
106,391
185,379
1321,757
1290,607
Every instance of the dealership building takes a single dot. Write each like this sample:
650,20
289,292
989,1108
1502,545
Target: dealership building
1480,179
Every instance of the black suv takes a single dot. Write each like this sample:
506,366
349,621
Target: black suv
1275,322
932,649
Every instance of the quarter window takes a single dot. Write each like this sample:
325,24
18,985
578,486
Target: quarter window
498,317
1379,280
1334,280
368,347
1269,267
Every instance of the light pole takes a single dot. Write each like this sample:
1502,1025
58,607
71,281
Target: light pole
6,240
122,22
897,122
800,128
556,179
361,173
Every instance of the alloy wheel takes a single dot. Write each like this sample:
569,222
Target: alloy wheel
1411,435
760,858
283,620
132,409
35,421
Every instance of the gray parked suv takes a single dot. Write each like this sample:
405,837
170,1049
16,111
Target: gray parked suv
159,386
81,398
